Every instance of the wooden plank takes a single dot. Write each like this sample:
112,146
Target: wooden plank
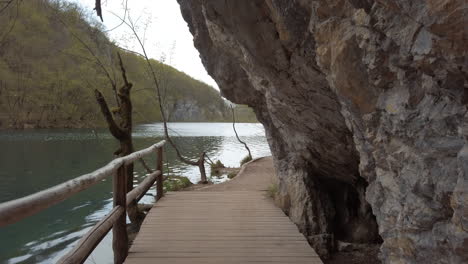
265,252
219,227
224,260
88,242
220,239
236,251
233,245
232,235
214,246
227,226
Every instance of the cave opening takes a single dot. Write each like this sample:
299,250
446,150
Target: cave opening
351,218
341,211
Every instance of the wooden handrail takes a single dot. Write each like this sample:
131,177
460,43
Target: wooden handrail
137,193
15,210
18,209
88,242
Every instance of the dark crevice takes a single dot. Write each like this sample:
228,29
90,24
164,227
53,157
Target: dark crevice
347,214
353,220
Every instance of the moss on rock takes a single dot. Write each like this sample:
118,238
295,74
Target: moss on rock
176,183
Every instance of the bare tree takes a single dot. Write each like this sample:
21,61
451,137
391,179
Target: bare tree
237,136
119,119
120,125
200,163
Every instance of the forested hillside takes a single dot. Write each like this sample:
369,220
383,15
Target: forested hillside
53,54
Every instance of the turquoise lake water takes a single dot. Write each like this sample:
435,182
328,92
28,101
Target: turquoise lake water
32,160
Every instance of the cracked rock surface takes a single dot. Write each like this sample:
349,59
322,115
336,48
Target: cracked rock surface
364,106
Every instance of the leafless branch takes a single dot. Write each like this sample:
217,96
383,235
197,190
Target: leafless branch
237,136
147,168
156,81
124,16
12,25
115,130
6,4
90,50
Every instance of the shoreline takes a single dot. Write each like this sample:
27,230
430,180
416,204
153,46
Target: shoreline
31,127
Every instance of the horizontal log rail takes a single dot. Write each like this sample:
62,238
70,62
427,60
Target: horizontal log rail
89,242
15,210
138,192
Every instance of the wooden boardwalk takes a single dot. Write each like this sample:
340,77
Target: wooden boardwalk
233,222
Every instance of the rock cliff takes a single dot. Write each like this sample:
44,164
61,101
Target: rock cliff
190,110
364,105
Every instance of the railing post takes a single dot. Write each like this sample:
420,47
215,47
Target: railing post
160,179
201,166
119,230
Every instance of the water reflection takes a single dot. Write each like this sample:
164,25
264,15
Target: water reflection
33,160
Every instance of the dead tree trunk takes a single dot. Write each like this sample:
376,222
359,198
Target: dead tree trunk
122,130
201,167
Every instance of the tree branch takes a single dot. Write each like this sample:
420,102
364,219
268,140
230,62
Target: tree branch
97,60
113,127
3,39
7,3
125,108
121,23
158,91
237,136
98,9
147,168
124,74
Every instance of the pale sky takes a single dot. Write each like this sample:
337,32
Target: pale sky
167,30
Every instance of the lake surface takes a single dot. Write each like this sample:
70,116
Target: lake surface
32,160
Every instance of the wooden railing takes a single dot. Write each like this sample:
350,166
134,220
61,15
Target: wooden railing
15,210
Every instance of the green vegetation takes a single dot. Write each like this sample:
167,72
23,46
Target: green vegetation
272,190
218,170
232,174
216,167
48,74
244,114
176,183
245,160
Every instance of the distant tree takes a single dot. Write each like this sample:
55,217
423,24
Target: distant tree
46,72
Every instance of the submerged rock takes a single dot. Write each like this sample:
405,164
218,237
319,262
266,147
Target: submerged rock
364,106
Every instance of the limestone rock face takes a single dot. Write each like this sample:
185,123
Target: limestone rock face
190,110
364,106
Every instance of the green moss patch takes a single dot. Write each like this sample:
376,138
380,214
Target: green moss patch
176,183
245,160
272,190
